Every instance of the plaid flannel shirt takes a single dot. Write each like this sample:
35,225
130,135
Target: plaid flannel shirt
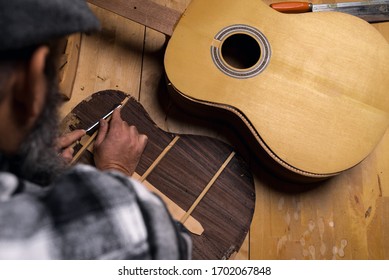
87,214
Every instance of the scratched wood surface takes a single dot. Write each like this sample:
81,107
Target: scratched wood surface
346,217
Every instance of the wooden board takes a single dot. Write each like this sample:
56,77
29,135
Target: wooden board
149,13
68,65
352,207
226,210
258,103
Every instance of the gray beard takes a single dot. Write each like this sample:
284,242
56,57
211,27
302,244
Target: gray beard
37,160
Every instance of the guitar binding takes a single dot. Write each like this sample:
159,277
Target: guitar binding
287,171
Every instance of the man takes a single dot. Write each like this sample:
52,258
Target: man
47,209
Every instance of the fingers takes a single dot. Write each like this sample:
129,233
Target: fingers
65,141
116,118
67,154
119,145
143,140
68,139
140,140
103,130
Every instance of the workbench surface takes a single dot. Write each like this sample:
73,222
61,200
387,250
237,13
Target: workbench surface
346,217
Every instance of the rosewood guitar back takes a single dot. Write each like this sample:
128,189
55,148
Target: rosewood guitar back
225,211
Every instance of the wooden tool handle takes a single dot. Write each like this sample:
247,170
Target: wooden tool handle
292,7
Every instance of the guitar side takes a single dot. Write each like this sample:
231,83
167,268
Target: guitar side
318,106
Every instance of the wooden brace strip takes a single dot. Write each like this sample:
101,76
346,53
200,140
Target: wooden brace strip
206,189
145,12
191,224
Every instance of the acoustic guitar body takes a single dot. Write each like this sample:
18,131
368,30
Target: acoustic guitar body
308,92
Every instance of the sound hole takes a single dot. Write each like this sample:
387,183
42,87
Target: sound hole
241,51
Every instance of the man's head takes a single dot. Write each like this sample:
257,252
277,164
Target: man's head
30,31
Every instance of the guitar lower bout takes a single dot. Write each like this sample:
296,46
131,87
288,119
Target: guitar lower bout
291,84
251,138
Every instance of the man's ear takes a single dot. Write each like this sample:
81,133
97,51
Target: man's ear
31,94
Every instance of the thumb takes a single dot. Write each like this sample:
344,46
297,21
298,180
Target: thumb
67,154
103,130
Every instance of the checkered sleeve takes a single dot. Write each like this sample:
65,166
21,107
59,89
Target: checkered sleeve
88,214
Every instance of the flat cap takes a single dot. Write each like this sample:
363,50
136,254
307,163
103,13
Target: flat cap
25,23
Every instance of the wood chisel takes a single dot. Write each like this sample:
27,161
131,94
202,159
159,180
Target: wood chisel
91,129
371,11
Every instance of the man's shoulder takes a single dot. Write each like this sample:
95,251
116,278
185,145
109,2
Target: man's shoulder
85,184
87,214
83,214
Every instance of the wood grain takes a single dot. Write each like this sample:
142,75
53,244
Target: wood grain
317,109
115,55
148,13
192,164
351,207
69,65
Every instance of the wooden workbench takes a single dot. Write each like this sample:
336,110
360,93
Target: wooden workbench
346,217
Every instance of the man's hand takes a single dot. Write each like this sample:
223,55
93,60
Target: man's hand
118,146
65,142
